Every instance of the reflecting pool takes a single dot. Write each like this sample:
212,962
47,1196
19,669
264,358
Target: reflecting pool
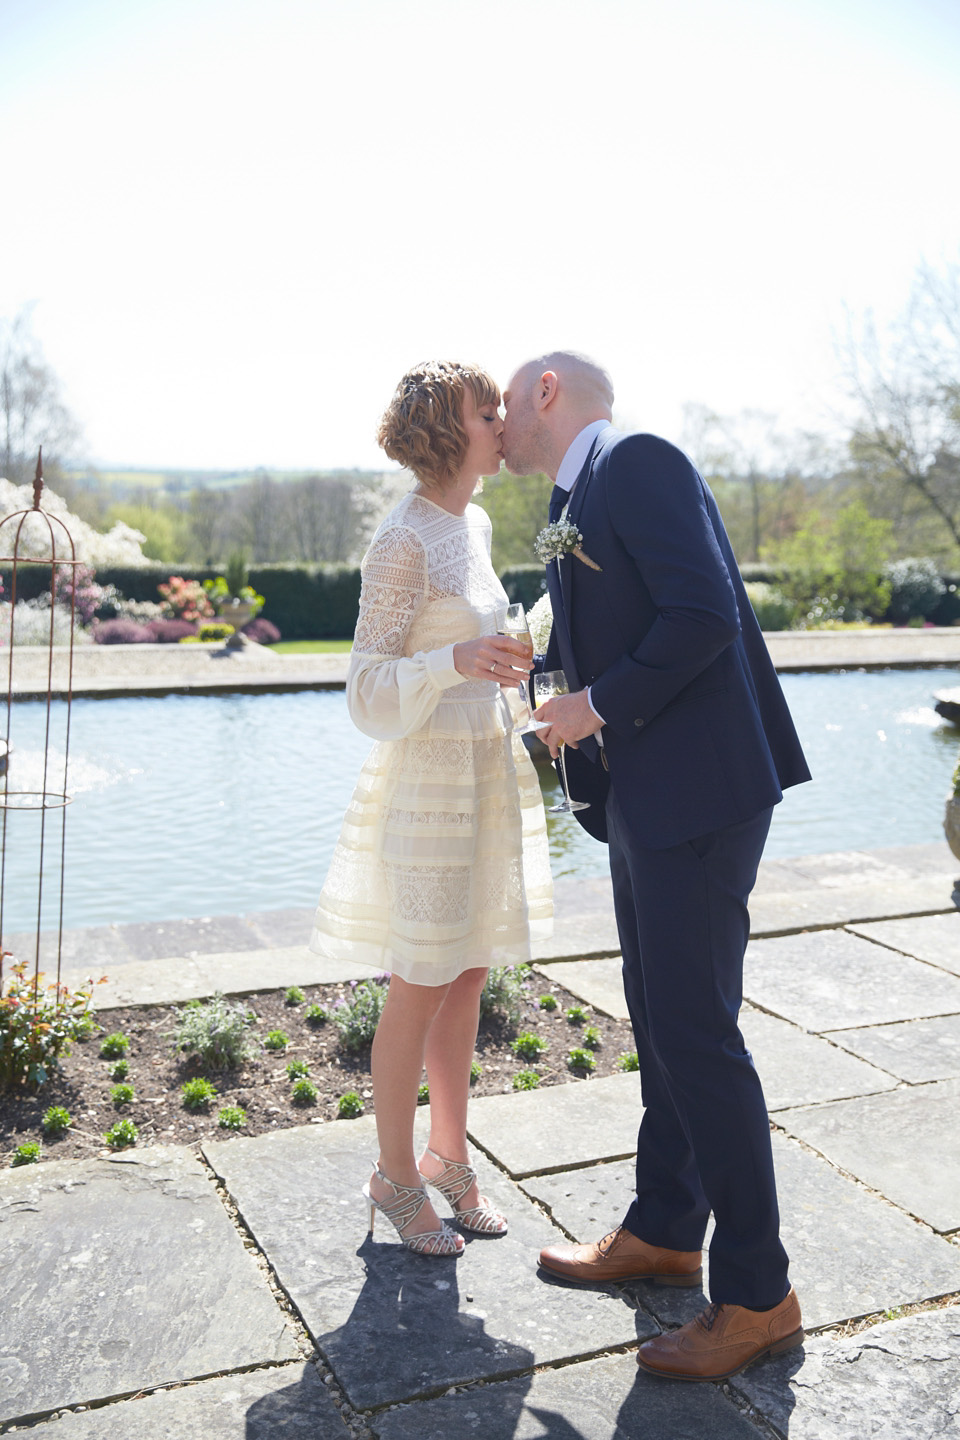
203,805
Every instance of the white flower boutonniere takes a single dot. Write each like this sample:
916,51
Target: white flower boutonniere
561,538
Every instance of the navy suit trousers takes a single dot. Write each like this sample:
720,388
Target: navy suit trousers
704,1140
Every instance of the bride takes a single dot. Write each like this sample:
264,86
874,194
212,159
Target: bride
442,868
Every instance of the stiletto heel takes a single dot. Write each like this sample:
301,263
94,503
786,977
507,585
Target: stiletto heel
403,1209
453,1182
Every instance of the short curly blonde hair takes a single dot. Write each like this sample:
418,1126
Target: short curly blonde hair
422,427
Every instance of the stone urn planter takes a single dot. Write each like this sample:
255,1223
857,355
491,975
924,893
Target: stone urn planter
237,614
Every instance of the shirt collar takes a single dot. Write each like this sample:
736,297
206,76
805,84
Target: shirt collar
573,462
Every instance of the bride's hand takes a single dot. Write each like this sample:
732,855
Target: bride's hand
493,657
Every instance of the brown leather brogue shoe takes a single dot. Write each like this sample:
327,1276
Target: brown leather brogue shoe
723,1341
621,1256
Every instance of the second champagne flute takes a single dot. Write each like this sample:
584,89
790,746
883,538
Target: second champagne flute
545,687
512,622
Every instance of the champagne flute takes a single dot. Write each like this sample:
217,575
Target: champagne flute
512,622
545,687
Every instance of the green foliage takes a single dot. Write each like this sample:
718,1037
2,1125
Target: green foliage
525,584
592,1038
85,1027
114,1047
529,1046
121,1134
349,1106
356,1019
476,1070
298,1068
518,512
121,1095
163,526
834,565
423,1093
628,1061
215,1031
294,996
576,1015
55,1120
211,630
771,607
956,777
310,602
506,990
37,1023
198,1093
119,1070
548,1002
915,589
26,1154
526,1080
581,1060
316,1015
304,1091
231,1117
276,1040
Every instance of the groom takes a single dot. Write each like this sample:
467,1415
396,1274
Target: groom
683,746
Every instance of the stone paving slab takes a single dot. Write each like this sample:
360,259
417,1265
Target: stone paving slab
814,909
394,1325
576,1123
851,1253
914,1050
896,1381
832,980
174,980
903,1144
263,1405
933,938
604,1399
118,1275
798,1069
597,982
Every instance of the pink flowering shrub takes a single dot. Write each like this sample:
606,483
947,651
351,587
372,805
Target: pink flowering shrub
185,599
170,632
122,632
77,582
263,631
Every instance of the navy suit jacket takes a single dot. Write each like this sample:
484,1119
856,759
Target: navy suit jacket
698,735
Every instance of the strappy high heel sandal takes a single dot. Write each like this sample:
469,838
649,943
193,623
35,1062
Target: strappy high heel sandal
407,1202
453,1182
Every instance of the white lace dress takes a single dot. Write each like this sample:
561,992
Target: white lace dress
442,862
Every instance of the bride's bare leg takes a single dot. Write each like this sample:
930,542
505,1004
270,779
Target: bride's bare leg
396,1065
449,1054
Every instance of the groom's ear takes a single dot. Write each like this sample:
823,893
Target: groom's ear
547,388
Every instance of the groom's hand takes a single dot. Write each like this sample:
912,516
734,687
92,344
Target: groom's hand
570,718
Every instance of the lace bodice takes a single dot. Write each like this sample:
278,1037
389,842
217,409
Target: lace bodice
427,583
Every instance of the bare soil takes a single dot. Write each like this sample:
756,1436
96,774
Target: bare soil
261,1086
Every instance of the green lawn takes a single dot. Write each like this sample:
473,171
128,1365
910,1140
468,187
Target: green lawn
313,647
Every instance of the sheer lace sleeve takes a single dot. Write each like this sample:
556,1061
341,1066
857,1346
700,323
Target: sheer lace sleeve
390,695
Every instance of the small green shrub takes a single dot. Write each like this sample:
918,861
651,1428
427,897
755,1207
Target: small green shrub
506,990
576,1015
121,1134
84,1028
548,1002
916,589
276,1040
198,1093
423,1093
231,1117
55,1120
297,1069
114,1047
628,1061
774,611
26,1154
316,1015
529,1046
580,1059
592,1038
349,1106
356,1019
216,1031
37,1024
121,1095
213,630
304,1091
119,1070
476,1070
294,996
526,1080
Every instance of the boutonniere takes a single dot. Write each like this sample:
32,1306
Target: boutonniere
559,539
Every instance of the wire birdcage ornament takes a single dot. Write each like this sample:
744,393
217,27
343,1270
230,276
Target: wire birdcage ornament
45,798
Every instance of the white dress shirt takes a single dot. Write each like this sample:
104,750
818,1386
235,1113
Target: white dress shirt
570,467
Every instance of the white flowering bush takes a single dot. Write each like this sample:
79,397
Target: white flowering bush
31,624
121,545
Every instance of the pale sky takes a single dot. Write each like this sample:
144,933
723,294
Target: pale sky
242,220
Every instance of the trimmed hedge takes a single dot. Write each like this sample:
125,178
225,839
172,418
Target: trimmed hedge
524,584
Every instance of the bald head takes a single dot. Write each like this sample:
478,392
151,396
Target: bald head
549,400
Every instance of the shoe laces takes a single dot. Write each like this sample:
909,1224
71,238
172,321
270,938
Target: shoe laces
603,1246
709,1317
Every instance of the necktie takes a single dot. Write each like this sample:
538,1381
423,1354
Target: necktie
558,498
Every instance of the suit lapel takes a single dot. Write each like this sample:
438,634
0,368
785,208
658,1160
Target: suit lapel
579,494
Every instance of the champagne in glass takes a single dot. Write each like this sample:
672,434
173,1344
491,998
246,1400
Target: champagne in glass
545,687
512,622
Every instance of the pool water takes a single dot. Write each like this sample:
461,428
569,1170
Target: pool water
202,805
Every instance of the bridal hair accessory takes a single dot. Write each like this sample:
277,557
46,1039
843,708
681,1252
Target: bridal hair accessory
561,538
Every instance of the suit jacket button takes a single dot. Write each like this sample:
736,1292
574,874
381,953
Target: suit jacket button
639,724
